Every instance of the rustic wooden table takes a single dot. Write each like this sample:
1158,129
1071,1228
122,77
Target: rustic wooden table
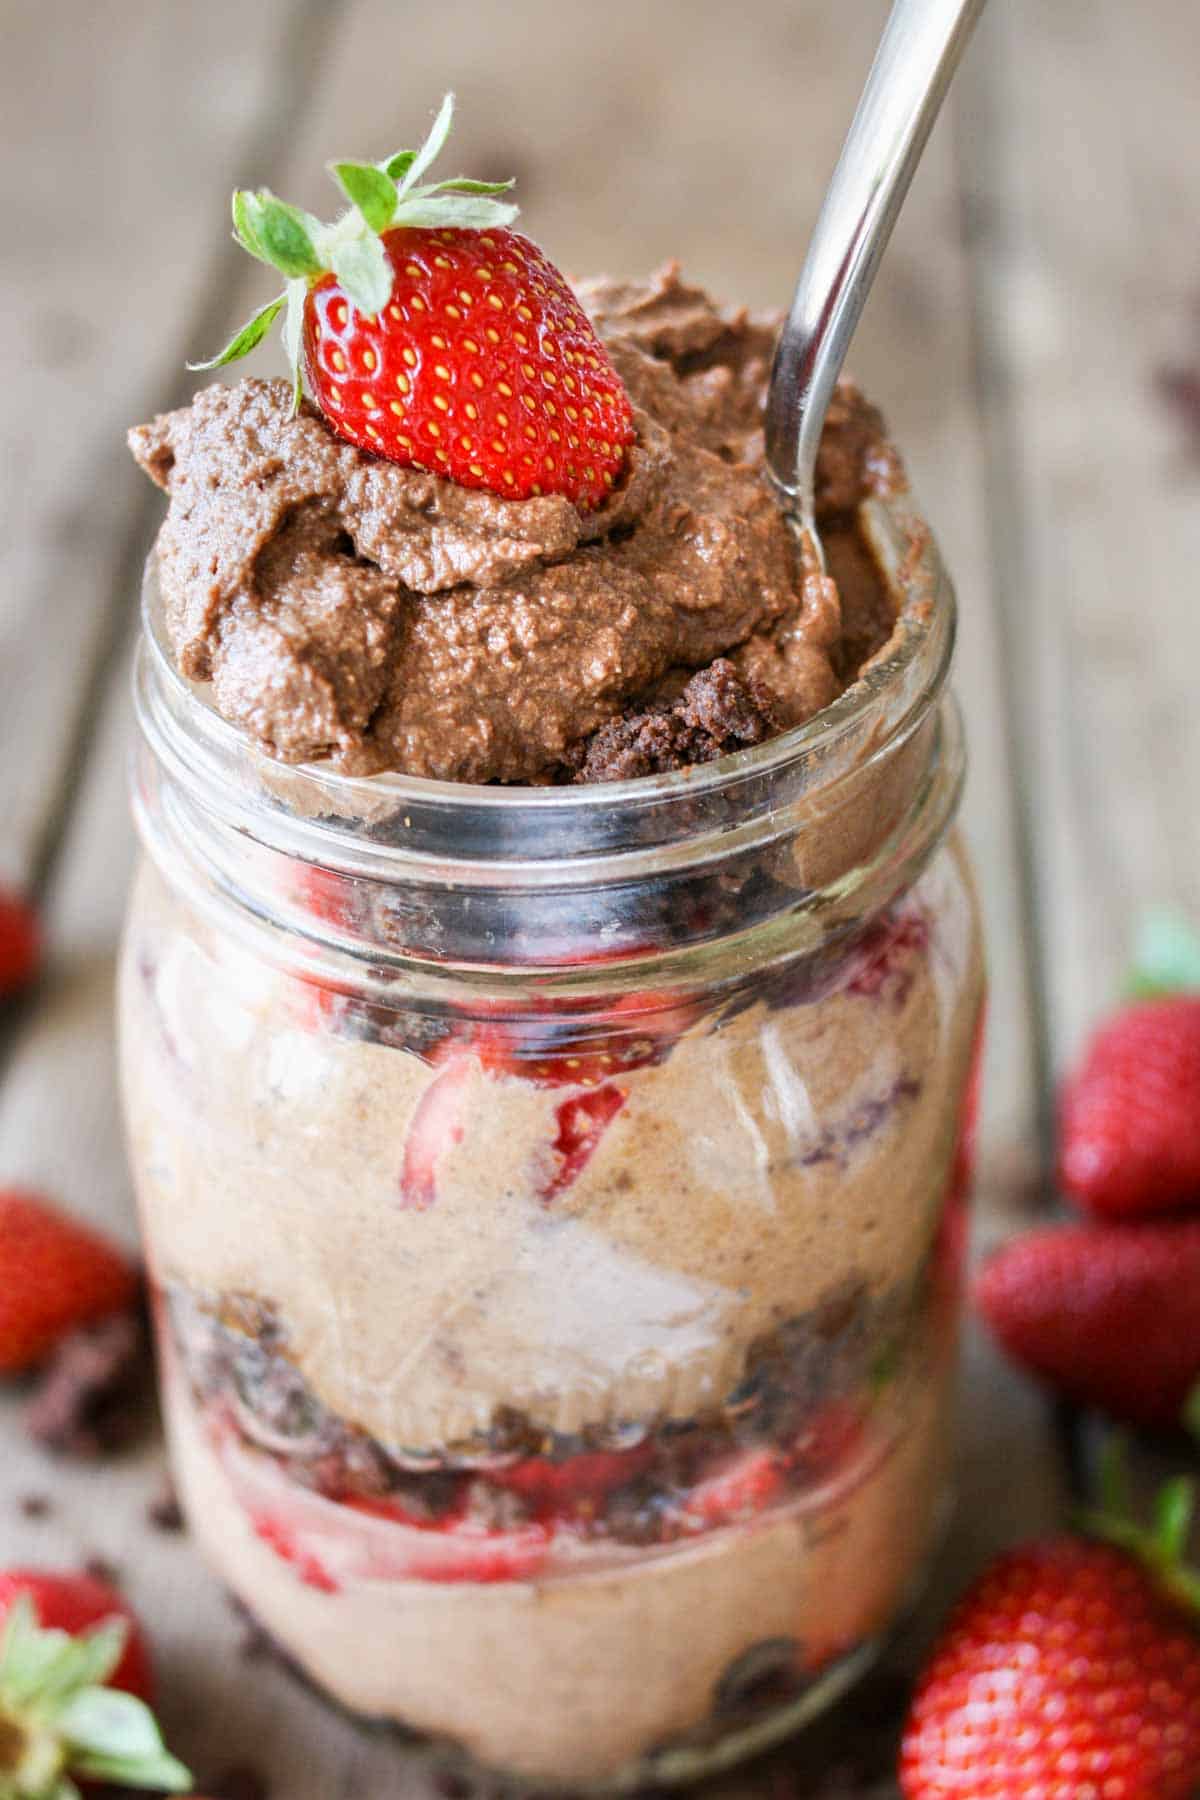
1044,270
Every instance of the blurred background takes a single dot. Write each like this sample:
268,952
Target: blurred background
1034,340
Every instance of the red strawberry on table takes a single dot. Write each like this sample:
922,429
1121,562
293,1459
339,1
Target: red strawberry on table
1106,1314
75,1684
55,1274
432,334
20,942
1070,1668
1130,1115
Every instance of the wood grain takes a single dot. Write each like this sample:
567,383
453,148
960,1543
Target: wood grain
1087,190
1043,266
132,120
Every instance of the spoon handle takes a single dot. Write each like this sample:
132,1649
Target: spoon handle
918,53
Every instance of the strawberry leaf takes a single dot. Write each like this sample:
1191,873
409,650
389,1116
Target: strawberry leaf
362,267
244,225
113,1736
1166,958
247,339
30,1655
370,189
468,211
293,332
398,165
433,146
283,234
1174,1508
84,1662
462,184
163,1773
107,1722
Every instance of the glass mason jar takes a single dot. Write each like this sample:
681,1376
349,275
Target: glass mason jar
554,1199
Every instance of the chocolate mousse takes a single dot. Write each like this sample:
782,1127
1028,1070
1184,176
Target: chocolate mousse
343,606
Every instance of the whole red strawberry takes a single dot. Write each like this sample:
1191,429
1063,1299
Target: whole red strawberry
434,335
55,1273
1063,1672
20,942
1129,1139
74,1603
1106,1314
75,1684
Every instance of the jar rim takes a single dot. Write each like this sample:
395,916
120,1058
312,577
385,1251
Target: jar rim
783,843
314,811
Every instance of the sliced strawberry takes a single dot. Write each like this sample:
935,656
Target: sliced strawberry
559,1487
436,1126
886,954
742,1487
635,1031
830,1439
582,1121
462,1550
285,1543
332,1542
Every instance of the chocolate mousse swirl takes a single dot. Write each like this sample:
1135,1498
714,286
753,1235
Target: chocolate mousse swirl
345,607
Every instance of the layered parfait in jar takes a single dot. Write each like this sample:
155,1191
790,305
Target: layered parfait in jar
549,1003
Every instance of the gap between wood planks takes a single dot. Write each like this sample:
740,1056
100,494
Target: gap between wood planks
985,227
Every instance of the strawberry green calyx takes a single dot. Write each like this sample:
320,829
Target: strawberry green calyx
1160,1546
58,1720
1166,956
382,197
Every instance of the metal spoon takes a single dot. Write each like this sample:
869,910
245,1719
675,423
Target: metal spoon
917,56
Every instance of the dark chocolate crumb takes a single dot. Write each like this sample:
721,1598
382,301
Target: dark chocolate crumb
717,713
35,1506
100,1568
1178,386
164,1512
92,1397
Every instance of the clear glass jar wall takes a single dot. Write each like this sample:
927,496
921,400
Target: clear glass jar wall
554,1204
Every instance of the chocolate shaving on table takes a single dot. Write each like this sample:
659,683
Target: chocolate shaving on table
92,1397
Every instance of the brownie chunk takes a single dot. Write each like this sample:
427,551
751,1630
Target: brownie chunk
717,712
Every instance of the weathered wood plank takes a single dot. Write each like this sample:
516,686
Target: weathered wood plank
1089,195
1082,117
106,206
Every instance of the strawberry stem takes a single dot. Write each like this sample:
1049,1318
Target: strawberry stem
1166,956
1161,1547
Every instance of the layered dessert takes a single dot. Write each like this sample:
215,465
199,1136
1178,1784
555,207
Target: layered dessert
563,1378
